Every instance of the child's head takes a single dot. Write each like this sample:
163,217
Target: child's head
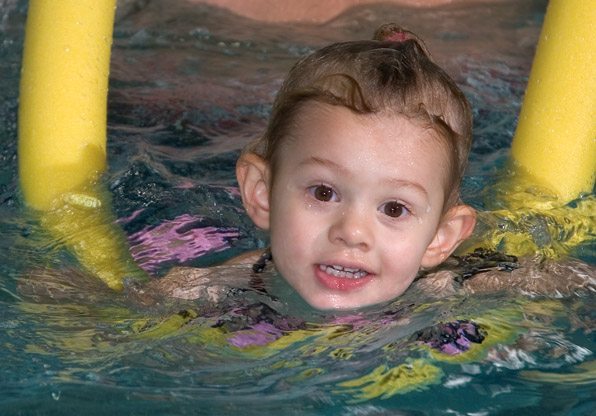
357,176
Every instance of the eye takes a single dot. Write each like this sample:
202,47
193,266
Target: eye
323,193
394,209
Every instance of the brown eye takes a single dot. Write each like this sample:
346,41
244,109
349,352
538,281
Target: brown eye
394,209
323,193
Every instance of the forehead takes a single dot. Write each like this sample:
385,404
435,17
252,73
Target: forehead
326,126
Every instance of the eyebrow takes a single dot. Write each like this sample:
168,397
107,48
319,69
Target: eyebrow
329,164
326,163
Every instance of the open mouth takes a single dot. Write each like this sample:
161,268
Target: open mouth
343,272
341,278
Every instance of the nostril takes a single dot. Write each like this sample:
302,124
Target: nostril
350,231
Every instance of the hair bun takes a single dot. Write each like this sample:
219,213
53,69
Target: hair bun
391,32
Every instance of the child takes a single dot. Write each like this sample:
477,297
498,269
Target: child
357,176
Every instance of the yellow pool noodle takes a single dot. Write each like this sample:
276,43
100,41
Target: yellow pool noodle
63,129
63,97
555,140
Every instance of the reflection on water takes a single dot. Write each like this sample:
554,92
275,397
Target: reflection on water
189,87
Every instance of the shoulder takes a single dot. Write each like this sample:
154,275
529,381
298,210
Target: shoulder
437,284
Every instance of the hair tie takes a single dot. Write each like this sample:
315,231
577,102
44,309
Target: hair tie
391,32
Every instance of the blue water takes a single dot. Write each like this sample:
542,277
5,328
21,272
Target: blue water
189,87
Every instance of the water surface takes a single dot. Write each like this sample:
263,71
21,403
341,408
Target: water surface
189,87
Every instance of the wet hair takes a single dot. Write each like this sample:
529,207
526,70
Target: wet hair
392,74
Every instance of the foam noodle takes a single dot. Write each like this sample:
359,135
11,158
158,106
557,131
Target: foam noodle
555,141
63,97
62,130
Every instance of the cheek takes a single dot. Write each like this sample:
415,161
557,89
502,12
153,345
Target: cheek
296,236
403,251
403,259
289,228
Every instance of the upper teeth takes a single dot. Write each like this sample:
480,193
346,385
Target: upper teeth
340,271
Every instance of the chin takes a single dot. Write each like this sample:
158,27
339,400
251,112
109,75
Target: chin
338,304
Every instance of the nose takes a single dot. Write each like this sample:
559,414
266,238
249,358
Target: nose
352,229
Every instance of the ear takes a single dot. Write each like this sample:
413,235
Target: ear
252,173
456,225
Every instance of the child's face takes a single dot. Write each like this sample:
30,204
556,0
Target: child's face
355,203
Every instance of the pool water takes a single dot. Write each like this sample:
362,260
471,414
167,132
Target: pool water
189,87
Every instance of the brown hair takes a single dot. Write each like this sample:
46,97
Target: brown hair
392,73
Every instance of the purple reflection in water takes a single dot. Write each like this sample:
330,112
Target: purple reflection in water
181,239
260,334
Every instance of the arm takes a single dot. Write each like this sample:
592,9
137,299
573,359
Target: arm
537,277
534,276
210,283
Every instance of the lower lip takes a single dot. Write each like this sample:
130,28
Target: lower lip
340,284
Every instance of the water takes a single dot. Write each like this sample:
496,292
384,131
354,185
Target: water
189,87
